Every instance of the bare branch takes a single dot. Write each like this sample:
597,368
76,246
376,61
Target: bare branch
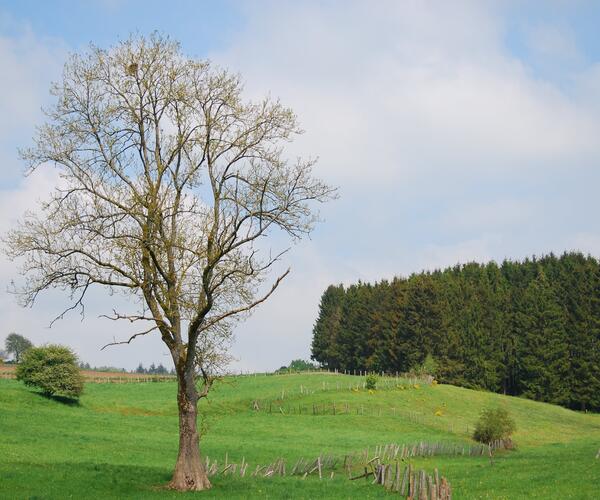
145,332
217,319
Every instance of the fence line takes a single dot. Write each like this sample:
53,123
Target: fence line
110,378
394,476
385,381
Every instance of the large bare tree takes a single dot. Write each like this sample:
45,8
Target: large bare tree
169,179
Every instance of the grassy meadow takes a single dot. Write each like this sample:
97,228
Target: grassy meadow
121,440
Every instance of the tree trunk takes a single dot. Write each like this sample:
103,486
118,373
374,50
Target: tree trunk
190,474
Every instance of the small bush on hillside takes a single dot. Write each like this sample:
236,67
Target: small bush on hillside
494,424
429,366
53,369
371,382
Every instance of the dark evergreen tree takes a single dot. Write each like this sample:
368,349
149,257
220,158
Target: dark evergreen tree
421,325
325,343
382,335
545,352
355,324
584,335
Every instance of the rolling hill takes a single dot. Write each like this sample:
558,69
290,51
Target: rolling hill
121,440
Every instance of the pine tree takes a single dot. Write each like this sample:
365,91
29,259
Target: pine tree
584,339
355,325
325,346
545,352
383,327
421,328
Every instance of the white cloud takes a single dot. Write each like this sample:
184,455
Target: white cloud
586,242
32,189
445,255
401,89
28,65
499,214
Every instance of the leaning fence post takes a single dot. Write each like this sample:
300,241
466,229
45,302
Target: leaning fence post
405,480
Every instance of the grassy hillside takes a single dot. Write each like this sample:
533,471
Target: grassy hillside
121,441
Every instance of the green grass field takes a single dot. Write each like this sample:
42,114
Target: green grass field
121,440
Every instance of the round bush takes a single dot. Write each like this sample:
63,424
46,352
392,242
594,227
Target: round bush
494,424
371,382
53,369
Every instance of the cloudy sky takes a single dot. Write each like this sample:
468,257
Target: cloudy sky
455,131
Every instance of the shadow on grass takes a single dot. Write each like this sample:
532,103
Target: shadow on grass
59,480
50,480
65,400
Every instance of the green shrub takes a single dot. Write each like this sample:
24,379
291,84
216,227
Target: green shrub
494,424
53,369
428,367
371,382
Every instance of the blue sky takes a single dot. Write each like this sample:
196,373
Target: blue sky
201,25
456,131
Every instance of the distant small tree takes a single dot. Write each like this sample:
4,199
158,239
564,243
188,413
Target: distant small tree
140,369
494,424
17,345
371,382
428,367
298,365
302,365
161,370
53,369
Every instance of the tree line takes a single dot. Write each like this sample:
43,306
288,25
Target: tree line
526,328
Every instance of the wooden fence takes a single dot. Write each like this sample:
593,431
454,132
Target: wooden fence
390,452
412,484
333,408
103,377
395,477
128,379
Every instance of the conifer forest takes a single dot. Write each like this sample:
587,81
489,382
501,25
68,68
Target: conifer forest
526,328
